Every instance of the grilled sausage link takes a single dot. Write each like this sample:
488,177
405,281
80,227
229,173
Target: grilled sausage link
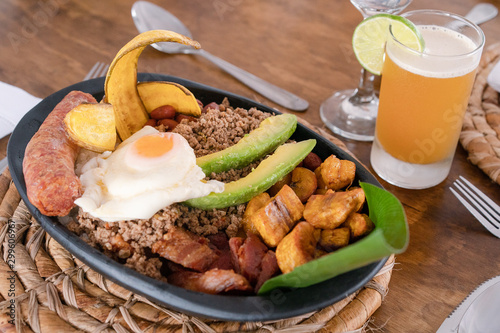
49,161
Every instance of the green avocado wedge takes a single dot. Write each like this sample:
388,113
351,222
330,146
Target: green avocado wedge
391,235
268,172
271,133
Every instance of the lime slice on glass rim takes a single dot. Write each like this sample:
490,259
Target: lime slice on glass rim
370,36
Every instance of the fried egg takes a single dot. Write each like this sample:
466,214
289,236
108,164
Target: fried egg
147,172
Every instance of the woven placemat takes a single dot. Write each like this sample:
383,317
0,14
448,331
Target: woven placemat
481,129
44,288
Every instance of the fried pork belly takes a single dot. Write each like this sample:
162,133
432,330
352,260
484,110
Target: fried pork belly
219,243
247,256
185,248
252,259
268,269
214,281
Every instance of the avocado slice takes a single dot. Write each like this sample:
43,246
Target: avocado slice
268,172
271,133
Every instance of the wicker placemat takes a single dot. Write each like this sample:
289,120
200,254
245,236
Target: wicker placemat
44,288
481,130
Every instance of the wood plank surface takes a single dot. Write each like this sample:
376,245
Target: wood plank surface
303,47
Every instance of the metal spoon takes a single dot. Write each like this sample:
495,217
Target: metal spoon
148,16
481,13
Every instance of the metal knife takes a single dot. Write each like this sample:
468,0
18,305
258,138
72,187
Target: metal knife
3,164
494,77
452,322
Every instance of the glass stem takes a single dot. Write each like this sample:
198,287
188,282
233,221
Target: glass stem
365,93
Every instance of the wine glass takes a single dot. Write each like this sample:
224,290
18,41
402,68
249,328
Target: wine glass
352,113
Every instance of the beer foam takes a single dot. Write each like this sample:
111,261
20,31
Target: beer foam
446,54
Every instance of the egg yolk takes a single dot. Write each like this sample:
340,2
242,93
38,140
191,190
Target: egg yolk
151,146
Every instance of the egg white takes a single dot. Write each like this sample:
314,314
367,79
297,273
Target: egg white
123,185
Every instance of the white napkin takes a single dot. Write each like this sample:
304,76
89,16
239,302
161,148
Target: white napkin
14,104
494,77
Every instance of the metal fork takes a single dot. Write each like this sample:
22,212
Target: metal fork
99,69
483,208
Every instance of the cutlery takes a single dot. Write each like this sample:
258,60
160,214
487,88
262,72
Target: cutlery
474,308
3,164
483,208
494,77
148,16
99,69
481,13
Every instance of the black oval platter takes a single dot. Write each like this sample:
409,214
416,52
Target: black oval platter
279,304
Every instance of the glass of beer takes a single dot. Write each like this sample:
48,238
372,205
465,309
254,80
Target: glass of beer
423,98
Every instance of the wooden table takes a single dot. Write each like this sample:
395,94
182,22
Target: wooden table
301,46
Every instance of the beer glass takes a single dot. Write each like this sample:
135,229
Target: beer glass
423,98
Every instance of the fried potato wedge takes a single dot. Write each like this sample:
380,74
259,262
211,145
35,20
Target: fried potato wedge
120,87
158,93
92,126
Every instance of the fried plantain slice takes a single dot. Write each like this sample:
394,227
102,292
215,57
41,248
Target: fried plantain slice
92,126
120,86
158,93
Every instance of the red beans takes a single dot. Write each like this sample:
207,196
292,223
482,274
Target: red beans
163,115
312,161
200,103
180,117
167,116
150,122
169,124
212,105
163,112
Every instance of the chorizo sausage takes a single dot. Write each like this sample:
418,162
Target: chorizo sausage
49,161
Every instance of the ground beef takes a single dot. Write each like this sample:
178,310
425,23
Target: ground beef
215,130
206,223
219,129
147,266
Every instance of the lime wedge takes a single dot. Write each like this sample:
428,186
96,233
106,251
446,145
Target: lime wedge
370,36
